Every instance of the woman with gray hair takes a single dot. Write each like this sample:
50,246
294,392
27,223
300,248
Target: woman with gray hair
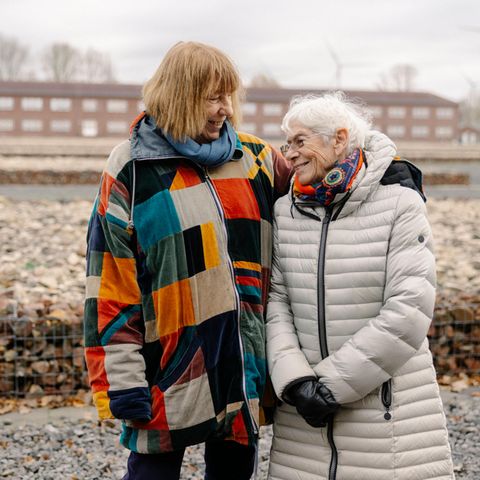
352,297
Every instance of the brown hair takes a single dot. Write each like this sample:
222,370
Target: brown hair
189,74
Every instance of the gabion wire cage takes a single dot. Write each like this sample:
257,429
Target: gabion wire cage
45,356
40,357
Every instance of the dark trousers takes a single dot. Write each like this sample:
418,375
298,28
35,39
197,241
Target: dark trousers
224,460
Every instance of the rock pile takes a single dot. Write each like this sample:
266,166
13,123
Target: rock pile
42,265
456,228
42,252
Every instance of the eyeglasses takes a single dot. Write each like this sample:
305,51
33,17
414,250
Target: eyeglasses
297,143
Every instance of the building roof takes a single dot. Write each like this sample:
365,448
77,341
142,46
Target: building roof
372,97
254,94
57,89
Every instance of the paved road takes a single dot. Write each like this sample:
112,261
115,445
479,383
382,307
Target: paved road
49,192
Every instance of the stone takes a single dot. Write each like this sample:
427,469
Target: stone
41,366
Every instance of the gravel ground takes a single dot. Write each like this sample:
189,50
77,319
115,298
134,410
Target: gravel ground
80,449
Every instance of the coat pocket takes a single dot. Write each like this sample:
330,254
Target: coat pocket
386,396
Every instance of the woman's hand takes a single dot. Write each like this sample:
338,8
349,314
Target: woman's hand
313,401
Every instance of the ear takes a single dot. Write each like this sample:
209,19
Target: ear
340,141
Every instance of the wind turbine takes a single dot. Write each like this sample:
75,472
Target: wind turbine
339,65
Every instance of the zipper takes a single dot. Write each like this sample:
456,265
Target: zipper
218,204
387,398
332,470
322,331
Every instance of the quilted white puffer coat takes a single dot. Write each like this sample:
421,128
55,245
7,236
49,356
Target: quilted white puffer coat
351,301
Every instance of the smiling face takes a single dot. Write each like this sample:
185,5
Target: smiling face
219,108
311,157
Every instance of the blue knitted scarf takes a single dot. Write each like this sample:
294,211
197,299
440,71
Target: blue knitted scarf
210,154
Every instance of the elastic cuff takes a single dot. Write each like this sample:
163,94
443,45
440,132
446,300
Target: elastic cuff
134,403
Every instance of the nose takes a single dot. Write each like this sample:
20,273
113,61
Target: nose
291,154
227,107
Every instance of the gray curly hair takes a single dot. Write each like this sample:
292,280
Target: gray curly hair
325,114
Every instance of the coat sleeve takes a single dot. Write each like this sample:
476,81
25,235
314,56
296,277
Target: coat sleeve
286,362
383,345
282,173
113,324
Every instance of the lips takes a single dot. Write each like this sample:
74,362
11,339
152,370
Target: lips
216,124
300,166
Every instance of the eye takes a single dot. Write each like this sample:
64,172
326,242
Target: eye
300,142
215,99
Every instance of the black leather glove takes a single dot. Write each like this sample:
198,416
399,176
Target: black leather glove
313,401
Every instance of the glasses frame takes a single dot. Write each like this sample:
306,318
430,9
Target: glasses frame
295,145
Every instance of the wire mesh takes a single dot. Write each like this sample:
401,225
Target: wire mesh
45,357
455,338
40,357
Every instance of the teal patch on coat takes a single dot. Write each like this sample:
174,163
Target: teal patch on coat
255,375
156,218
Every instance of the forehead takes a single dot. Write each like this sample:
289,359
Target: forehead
221,86
296,129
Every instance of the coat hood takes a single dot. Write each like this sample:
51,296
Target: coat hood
379,153
147,141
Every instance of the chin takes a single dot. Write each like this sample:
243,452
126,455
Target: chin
304,180
212,136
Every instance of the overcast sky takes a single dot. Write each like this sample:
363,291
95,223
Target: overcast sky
285,39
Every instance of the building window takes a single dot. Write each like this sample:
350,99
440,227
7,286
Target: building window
444,132
248,127
89,128
272,129
89,105
60,104
6,124
397,112
6,103
272,109
444,113
60,126
420,112
376,111
117,127
32,104
117,106
31,125
420,131
249,108
396,131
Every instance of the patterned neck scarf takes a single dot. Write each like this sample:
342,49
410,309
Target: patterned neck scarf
210,154
338,180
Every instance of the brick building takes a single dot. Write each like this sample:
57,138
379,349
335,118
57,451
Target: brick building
106,110
408,116
69,109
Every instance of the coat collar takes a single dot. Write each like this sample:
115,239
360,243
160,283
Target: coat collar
148,142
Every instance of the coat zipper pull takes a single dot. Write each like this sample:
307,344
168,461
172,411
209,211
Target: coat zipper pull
387,398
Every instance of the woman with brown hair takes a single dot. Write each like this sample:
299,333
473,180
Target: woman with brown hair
178,264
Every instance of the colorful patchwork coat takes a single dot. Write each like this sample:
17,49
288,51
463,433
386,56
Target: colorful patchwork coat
178,265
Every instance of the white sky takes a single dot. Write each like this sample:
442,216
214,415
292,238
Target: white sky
286,39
